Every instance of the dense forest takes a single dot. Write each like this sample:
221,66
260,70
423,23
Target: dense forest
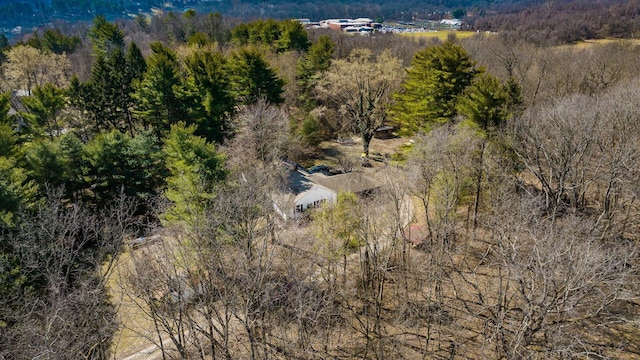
140,160
565,22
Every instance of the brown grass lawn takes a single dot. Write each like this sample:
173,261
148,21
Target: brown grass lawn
135,327
607,41
378,150
442,35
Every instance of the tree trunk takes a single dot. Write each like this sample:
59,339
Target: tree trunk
366,141
478,187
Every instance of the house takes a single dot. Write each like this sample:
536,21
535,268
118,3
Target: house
307,191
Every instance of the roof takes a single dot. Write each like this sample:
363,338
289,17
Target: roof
298,185
297,182
354,182
451,21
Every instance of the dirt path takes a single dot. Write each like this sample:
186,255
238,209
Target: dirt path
149,353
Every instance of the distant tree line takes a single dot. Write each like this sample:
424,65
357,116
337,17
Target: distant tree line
563,22
554,23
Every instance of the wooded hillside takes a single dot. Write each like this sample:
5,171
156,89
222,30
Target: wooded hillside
140,162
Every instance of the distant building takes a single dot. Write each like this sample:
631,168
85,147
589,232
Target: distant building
307,23
361,25
452,23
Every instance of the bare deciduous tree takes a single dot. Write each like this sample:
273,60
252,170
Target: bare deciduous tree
262,134
579,145
557,144
439,174
59,307
541,281
361,87
28,67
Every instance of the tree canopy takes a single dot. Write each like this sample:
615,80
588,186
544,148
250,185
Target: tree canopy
522,245
158,92
252,78
434,81
312,65
27,67
194,168
485,103
209,77
280,35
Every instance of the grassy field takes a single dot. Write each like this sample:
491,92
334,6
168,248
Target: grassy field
442,35
136,328
593,42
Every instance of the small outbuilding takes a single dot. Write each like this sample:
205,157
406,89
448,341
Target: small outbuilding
384,132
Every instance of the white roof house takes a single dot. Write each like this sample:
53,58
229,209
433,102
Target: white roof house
307,191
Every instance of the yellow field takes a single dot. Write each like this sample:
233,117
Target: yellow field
136,328
592,42
442,35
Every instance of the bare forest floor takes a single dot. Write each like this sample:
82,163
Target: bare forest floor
380,153
137,338
136,327
435,304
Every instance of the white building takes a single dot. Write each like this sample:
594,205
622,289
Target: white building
307,191
362,25
454,23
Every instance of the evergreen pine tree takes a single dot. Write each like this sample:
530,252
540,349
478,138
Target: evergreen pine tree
252,77
437,76
310,68
157,93
208,75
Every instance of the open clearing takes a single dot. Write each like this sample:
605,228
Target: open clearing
585,44
442,35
